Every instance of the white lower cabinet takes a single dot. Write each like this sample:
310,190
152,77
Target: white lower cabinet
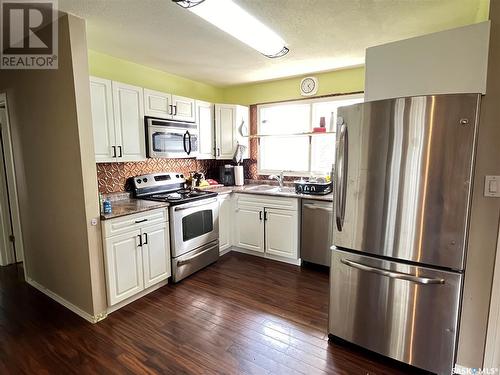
250,228
155,258
281,232
124,269
138,257
267,225
225,222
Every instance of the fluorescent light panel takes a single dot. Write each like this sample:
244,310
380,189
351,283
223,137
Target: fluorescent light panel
234,20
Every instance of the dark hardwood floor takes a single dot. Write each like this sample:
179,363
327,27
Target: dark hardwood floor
242,315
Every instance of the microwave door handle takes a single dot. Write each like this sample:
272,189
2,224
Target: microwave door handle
189,142
184,141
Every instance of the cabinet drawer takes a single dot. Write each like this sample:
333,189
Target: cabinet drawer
260,200
127,223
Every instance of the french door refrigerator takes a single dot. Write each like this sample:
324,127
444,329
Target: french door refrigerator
403,181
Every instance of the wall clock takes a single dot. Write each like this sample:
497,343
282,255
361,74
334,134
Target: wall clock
309,86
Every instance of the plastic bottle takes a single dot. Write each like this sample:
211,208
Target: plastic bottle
107,206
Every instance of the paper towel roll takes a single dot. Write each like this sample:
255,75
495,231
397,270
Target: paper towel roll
239,178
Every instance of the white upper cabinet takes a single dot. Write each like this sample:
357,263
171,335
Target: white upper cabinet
101,97
167,106
242,128
183,108
129,120
231,129
205,120
118,121
225,120
447,62
157,104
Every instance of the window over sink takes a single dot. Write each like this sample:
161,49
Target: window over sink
287,142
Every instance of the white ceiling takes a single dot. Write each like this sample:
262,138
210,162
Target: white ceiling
321,34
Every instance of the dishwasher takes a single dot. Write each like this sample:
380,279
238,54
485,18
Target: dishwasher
316,231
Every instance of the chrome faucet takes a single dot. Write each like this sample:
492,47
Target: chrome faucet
278,178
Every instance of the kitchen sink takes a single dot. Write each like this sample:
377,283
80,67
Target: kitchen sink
267,188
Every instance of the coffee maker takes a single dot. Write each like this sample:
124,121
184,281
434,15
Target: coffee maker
226,175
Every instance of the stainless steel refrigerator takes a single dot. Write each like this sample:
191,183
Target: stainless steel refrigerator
403,181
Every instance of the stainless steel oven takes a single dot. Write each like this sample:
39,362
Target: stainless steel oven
171,139
194,231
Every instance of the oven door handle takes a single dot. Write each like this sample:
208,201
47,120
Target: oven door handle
197,204
187,260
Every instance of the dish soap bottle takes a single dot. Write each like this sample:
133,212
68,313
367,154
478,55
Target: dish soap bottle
106,206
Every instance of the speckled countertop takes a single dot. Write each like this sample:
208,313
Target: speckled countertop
287,191
122,204
128,206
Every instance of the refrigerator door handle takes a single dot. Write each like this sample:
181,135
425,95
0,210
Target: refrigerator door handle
341,176
392,274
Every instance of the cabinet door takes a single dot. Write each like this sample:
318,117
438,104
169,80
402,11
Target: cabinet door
224,128
184,108
124,271
128,103
242,128
101,100
282,233
156,254
225,221
249,231
205,119
157,104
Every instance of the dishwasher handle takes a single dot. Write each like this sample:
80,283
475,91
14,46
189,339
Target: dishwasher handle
313,206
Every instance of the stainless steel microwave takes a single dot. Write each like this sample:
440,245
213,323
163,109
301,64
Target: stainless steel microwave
171,139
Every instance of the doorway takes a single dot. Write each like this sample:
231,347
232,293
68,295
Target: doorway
11,244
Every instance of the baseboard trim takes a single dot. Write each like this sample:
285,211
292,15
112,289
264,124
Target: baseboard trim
120,304
225,251
295,262
75,309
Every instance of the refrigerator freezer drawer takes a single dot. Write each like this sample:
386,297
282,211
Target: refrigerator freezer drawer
401,311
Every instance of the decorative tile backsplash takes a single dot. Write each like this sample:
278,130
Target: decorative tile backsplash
113,177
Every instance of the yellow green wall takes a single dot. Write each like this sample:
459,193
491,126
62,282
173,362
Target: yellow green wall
335,82
105,66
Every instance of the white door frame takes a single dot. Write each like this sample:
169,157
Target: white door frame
11,185
492,352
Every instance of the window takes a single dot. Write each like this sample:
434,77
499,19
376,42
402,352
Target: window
286,143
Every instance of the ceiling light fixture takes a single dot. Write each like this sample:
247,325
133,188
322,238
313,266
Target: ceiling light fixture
234,20
187,3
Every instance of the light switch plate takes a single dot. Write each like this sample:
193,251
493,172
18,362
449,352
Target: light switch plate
492,186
